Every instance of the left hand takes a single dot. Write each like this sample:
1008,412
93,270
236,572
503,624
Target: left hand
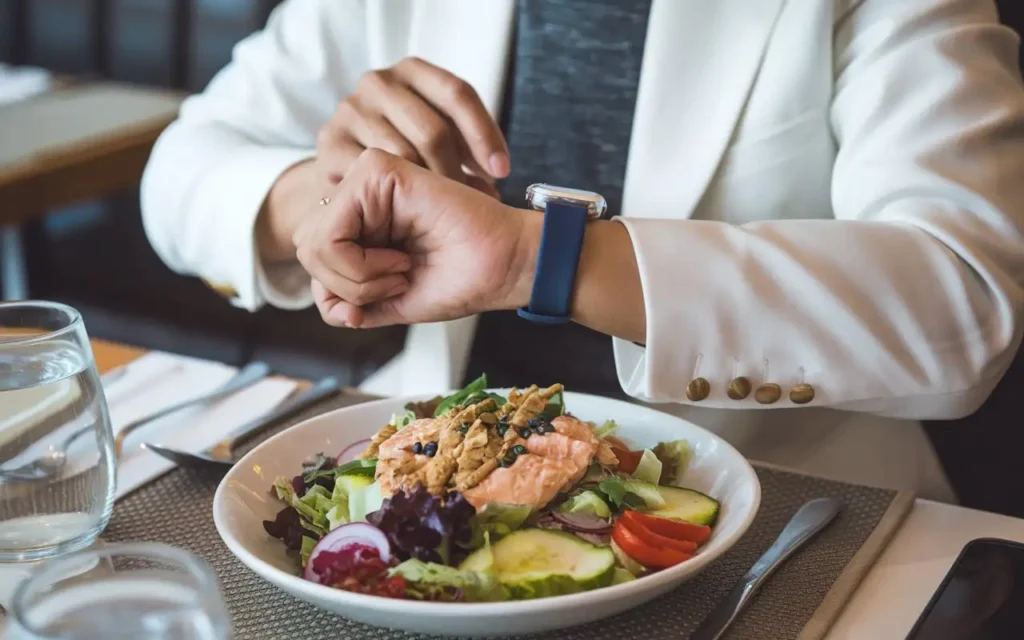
399,244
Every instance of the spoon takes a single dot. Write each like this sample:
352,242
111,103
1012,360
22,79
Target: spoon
51,462
220,455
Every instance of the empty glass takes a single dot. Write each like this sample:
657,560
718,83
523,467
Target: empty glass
132,591
57,466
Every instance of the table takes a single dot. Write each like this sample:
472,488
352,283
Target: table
74,143
895,591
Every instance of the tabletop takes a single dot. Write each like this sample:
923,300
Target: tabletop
77,142
897,588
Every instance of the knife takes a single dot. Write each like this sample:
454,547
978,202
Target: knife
808,521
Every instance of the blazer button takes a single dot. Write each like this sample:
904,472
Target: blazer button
698,389
768,393
739,388
801,394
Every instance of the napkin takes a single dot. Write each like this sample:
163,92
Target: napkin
158,380
148,384
18,83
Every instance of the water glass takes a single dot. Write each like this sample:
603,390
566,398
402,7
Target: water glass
57,465
140,591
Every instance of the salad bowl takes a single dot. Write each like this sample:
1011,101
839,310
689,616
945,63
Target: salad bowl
244,500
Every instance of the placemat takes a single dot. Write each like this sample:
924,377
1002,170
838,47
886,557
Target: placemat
801,601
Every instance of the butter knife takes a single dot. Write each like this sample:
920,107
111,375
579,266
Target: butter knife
808,521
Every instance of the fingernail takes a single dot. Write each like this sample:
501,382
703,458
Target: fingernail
499,165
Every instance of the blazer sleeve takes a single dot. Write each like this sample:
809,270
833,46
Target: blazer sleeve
211,170
908,304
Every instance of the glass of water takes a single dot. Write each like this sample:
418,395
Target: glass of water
140,591
57,465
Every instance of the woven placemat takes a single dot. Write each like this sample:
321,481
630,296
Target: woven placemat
800,601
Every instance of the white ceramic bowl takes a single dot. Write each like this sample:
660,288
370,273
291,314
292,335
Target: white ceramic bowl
243,501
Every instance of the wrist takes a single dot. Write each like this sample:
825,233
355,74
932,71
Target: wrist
524,265
282,212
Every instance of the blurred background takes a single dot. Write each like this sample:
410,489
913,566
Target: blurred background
71,213
93,254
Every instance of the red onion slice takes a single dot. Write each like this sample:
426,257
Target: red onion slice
358,533
585,522
349,453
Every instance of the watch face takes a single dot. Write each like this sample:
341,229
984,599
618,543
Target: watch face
538,195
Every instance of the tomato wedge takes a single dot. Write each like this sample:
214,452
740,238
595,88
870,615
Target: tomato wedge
651,557
628,460
674,529
656,540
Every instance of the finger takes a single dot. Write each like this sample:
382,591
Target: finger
457,99
336,157
362,264
378,133
333,310
430,133
359,293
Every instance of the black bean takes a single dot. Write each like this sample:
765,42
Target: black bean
502,428
524,433
549,428
417,448
506,462
519,449
464,428
431,449
534,423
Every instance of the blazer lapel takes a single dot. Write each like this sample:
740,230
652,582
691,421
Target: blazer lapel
700,61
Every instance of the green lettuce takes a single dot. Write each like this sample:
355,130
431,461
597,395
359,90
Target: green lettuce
607,429
495,521
307,548
630,492
675,457
472,393
586,502
649,468
476,586
402,419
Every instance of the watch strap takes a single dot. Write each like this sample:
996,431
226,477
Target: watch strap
561,242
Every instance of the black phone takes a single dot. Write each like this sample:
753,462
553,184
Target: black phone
981,598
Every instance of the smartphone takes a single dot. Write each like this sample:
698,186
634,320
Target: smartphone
981,598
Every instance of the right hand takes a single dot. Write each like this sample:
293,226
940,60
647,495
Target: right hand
422,113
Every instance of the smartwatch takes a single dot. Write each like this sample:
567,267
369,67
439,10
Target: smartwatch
566,213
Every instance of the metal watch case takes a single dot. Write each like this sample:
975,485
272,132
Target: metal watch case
539,195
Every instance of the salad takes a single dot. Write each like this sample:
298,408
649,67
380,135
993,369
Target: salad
478,497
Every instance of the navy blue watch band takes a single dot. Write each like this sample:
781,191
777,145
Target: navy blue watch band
560,244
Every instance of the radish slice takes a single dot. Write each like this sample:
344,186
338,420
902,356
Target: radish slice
356,533
349,453
582,522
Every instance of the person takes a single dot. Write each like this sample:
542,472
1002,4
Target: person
818,237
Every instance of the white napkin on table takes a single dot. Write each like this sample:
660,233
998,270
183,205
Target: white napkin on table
158,380
154,381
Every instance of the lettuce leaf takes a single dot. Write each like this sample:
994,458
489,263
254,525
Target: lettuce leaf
607,429
472,393
307,548
649,468
630,492
430,581
495,521
675,457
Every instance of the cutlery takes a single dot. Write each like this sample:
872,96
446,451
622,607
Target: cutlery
220,455
249,374
808,521
51,462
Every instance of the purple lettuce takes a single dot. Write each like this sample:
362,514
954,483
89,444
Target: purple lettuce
426,527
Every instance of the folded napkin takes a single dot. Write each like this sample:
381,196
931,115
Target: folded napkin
18,83
158,380
154,381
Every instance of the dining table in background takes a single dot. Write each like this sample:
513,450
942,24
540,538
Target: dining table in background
75,142
895,590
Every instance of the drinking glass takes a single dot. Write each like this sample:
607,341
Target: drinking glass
57,465
143,591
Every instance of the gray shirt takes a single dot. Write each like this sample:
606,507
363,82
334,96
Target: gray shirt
568,114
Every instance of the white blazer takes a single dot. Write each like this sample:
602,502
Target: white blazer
853,171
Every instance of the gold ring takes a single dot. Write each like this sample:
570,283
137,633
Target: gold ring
324,202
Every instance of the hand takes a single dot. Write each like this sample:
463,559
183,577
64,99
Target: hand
398,244
419,112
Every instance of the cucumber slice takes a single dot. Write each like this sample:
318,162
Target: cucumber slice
537,563
687,505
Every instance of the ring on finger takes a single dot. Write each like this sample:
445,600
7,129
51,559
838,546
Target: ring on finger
325,201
